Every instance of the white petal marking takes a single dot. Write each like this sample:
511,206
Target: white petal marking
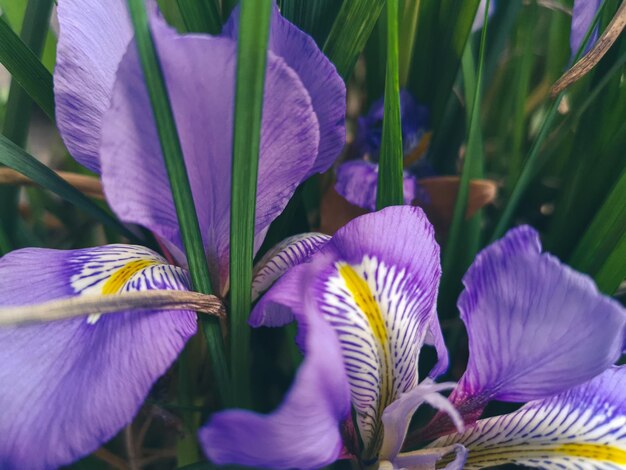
123,268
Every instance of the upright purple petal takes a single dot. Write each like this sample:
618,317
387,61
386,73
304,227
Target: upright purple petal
200,75
304,432
94,35
319,76
582,16
536,327
580,428
66,387
357,182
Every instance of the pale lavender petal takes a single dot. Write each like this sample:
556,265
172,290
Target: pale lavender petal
66,387
397,416
427,459
304,432
94,35
582,16
479,19
580,428
287,254
319,76
357,182
435,338
200,75
535,326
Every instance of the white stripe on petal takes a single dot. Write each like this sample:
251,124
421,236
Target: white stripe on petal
584,428
288,253
123,268
380,315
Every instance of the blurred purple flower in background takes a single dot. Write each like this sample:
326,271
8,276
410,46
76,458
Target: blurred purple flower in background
357,179
582,15
67,387
365,306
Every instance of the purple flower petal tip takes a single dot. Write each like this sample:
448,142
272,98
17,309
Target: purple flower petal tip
536,327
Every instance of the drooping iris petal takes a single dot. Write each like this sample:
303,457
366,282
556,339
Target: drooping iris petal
357,182
319,76
535,326
397,416
304,432
66,387
287,254
200,76
93,38
377,289
582,16
580,428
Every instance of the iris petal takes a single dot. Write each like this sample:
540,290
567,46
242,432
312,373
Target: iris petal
93,38
199,72
66,387
580,428
535,326
377,290
288,253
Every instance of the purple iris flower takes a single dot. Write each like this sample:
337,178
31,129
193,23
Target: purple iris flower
582,15
357,179
66,387
364,301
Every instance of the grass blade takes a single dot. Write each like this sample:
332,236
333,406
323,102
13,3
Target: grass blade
408,26
23,64
251,61
19,160
200,16
472,166
532,161
349,33
602,251
315,18
390,179
179,182
19,104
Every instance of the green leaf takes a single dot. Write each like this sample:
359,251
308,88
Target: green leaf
408,14
23,64
315,18
602,251
18,159
455,258
533,160
200,16
179,182
390,179
251,62
350,32
19,104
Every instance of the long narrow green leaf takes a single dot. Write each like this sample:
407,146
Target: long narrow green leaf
532,161
179,182
23,64
19,160
315,18
251,61
408,27
349,33
471,166
601,252
390,188
200,16
19,104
